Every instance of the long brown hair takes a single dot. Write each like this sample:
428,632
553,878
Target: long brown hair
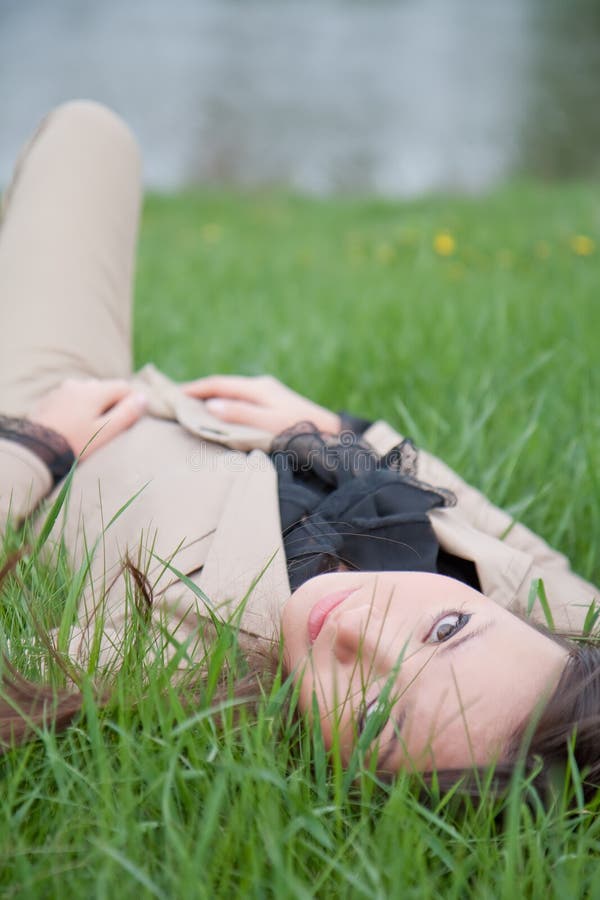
27,706
568,727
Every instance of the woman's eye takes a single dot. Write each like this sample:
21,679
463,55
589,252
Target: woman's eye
446,627
367,712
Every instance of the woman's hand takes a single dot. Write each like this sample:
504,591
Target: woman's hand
89,413
260,401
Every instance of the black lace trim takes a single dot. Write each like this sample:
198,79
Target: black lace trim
49,446
343,505
331,459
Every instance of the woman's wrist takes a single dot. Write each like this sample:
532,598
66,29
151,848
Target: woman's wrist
329,422
48,445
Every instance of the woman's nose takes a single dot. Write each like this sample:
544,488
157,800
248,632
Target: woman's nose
358,637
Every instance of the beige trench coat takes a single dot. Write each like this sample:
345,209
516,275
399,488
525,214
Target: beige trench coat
203,496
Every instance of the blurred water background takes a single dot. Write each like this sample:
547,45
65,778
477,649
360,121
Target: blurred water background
398,97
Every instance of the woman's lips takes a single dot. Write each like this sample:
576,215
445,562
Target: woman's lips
321,610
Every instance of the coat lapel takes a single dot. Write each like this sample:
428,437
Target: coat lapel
245,573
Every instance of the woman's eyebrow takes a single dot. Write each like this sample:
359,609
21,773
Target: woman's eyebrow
453,644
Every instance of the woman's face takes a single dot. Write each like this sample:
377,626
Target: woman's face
464,672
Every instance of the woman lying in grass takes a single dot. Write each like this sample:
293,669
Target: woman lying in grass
407,603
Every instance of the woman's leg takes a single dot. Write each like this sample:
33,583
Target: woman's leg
67,246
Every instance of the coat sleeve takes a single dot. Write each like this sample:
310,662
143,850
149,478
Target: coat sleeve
569,595
24,481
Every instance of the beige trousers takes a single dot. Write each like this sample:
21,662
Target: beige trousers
67,248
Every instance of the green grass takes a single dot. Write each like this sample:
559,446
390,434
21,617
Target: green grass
487,357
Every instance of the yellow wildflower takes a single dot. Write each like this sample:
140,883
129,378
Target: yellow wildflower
384,253
582,245
211,233
444,244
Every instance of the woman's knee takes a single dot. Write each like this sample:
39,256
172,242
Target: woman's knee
95,117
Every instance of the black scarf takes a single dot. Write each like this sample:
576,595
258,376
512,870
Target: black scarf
342,505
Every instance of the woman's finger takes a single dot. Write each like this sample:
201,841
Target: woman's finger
240,387
122,416
238,412
107,393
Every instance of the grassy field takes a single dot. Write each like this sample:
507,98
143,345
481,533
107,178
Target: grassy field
471,325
